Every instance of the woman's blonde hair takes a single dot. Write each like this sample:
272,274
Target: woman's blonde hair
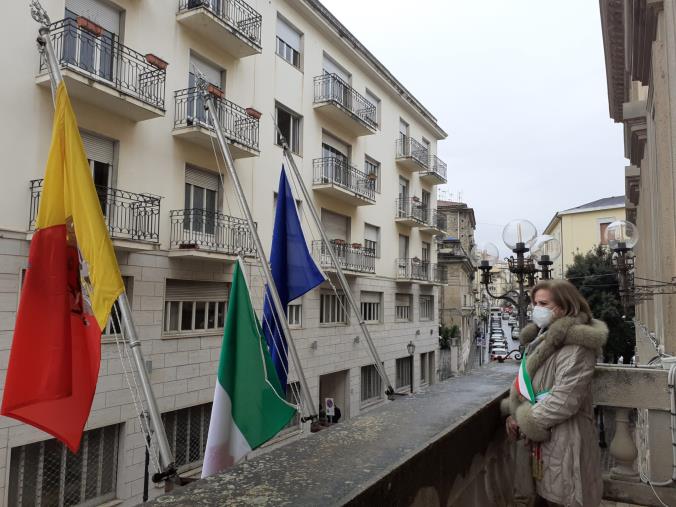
566,296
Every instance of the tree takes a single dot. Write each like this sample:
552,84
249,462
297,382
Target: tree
596,278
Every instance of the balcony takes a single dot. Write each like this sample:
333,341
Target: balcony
232,26
335,177
97,69
435,173
208,234
193,124
341,103
412,155
435,222
451,250
353,258
416,270
133,220
411,212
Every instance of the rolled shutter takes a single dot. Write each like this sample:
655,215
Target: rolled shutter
370,297
371,232
210,71
333,68
335,225
403,299
98,148
335,143
101,14
201,178
189,290
288,34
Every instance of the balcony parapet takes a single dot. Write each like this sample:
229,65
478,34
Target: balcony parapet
128,215
350,109
351,257
438,447
416,270
411,154
435,173
411,211
137,81
435,222
337,177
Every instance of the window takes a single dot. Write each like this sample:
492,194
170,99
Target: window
100,155
194,306
374,114
187,431
426,307
47,473
113,326
195,112
201,192
404,372
425,251
403,131
332,309
402,307
295,314
603,229
337,226
370,306
372,170
288,43
372,239
371,384
289,125
424,368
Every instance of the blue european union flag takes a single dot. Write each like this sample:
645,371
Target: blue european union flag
293,270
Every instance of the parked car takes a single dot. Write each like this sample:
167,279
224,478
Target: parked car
515,333
505,316
511,321
498,352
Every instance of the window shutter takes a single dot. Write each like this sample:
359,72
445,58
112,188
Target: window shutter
335,225
370,297
335,143
288,34
211,72
371,232
101,14
189,290
201,178
97,148
333,68
403,299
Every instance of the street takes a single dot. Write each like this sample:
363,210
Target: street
512,343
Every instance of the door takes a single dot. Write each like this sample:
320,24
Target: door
100,152
337,88
335,164
337,229
93,53
200,219
403,138
403,198
402,261
214,75
425,207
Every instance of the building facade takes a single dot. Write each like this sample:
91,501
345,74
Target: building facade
458,298
639,40
367,151
581,228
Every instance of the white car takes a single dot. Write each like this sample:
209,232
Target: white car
498,352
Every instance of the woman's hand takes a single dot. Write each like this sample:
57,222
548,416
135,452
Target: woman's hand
512,428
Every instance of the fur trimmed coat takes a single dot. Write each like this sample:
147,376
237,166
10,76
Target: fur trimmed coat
563,422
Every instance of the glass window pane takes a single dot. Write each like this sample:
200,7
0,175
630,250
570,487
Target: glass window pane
200,309
186,316
221,314
211,315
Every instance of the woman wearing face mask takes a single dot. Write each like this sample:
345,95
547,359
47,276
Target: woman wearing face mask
550,402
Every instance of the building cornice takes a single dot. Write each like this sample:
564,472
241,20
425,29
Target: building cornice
590,210
552,223
635,130
353,43
632,185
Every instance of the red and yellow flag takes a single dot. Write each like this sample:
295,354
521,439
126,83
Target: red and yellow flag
56,351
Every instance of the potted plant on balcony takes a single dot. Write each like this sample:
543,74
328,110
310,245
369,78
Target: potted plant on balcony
372,176
156,61
338,241
215,91
89,26
254,113
356,246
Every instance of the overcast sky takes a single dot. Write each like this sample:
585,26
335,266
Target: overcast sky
520,88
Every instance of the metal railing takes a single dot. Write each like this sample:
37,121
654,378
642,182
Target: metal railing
128,215
350,256
436,219
338,171
437,166
332,88
235,13
448,249
103,59
202,229
424,271
413,208
237,125
409,148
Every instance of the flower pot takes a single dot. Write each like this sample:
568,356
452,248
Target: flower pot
216,91
156,61
255,114
89,26
338,241
372,176
356,246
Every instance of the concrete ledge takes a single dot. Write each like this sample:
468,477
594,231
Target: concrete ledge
433,448
637,493
630,387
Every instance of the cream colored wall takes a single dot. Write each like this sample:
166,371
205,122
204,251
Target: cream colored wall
152,160
581,231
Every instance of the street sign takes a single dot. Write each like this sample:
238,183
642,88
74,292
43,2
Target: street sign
330,407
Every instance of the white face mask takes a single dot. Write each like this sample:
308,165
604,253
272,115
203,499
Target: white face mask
542,316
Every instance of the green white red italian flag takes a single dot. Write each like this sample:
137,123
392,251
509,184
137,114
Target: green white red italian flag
523,382
247,409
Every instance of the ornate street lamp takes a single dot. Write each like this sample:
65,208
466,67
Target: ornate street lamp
410,348
545,250
622,237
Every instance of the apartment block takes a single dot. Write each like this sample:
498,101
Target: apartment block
367,150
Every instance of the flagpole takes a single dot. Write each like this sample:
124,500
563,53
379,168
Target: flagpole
339,270
166,458
310,408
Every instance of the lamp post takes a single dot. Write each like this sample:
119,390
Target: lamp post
622,237
411,350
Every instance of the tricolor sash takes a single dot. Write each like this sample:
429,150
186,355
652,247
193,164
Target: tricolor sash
524,385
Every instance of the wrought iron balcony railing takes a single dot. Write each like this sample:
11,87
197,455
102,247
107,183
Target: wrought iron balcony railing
409,148
332,88
127,214
235,13
237,125
412,208
436,220
352,257
101,57
420,270
339,172
437,166
202,229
